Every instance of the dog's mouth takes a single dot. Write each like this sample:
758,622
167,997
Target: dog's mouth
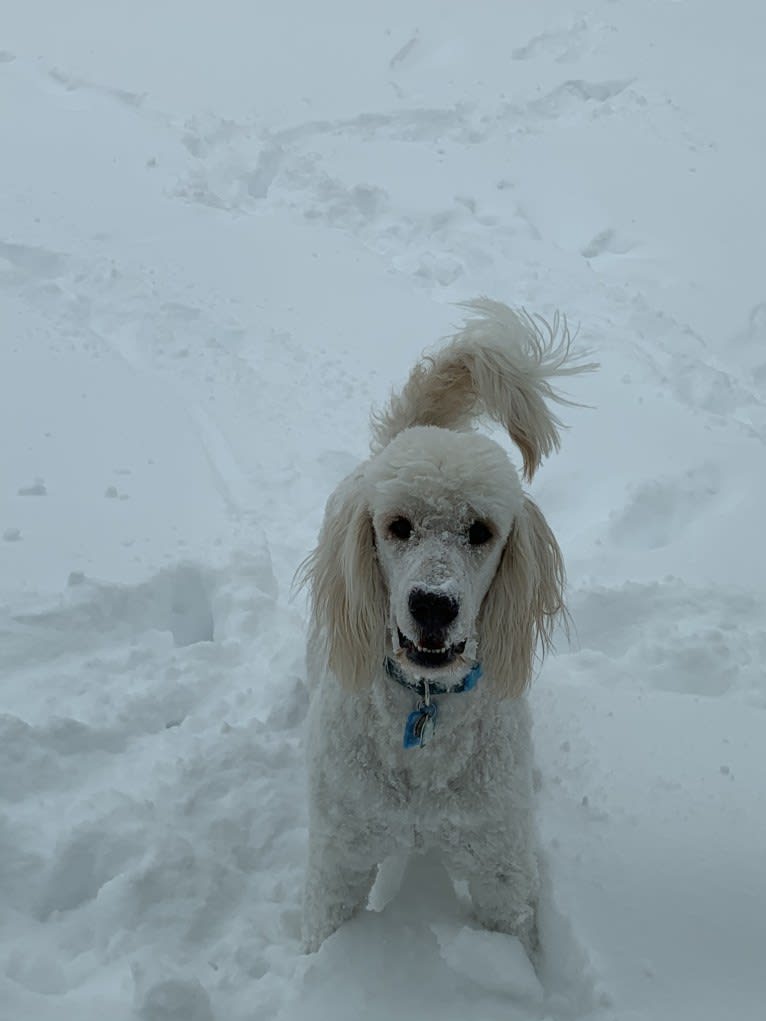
429,654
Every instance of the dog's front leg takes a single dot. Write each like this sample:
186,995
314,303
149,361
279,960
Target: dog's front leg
335,889
504,884
506,901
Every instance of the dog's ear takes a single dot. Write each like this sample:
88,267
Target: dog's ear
348,598
500,364
523,604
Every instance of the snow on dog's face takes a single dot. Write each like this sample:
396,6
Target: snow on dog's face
442,505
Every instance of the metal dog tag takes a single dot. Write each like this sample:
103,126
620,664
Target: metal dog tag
420,726
427,726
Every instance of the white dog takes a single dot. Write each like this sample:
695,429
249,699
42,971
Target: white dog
433,583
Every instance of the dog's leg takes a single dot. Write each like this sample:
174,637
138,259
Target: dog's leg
506,901
334,891
504,884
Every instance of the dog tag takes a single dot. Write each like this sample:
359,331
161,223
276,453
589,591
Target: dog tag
420,726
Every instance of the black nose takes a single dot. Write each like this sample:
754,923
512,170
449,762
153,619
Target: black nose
433,611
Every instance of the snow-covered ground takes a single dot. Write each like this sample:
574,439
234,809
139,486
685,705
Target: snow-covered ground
225,230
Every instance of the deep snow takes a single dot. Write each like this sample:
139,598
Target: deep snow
224,232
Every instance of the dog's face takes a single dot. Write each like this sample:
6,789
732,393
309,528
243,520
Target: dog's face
442,506
432,554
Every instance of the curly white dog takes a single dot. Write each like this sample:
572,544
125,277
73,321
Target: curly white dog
433,583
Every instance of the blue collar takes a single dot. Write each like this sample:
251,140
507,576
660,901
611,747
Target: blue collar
468,683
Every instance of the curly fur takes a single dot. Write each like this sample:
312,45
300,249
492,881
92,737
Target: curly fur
436,600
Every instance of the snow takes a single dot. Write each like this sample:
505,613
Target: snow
227,230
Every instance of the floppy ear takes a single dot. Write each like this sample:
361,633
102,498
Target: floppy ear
348,598
523,604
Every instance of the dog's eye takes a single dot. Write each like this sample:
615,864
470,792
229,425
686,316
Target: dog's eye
400,528
479,534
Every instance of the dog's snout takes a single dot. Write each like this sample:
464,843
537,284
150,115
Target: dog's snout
433,611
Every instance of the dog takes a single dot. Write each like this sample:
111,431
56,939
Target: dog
434,582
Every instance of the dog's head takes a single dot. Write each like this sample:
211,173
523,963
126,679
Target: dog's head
431,554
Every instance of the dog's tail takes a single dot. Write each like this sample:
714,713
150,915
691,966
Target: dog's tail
500,365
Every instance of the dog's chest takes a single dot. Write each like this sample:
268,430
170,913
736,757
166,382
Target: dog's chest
365,770
433,781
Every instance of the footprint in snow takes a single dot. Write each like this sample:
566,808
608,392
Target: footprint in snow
31,260
671,636
607,242
37,488
576,95
659,510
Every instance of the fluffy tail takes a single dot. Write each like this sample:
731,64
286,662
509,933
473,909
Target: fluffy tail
500,365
